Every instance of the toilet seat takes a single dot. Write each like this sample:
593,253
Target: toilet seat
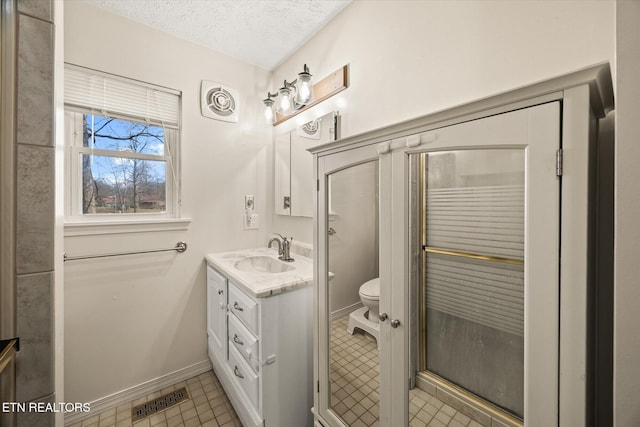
371,289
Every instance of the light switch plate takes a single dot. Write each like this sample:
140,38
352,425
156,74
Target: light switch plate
248,202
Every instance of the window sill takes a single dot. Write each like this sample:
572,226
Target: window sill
88,228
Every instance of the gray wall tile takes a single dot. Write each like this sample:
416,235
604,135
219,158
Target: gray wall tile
37,419
35,82
34,361
42,9
35,200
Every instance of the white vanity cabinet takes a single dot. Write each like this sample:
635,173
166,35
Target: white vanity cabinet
216,311
261,350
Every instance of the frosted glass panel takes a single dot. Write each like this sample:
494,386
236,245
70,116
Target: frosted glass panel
473,219
486,220
489,293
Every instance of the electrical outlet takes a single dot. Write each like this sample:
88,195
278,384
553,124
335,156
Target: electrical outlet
251,221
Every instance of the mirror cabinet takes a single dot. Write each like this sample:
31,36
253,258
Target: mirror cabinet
293,167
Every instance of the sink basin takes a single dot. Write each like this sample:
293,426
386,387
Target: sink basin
263,264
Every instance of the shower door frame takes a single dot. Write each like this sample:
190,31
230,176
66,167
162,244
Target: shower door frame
536,130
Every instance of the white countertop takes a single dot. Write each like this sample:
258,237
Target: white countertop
258,284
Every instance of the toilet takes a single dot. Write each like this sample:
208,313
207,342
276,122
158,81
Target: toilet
366,318
370,297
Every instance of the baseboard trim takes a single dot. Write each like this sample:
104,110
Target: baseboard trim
345,311
138,391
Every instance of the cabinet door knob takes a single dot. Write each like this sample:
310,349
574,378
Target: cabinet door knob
237,372
220,292
237,307
383,316
237,340
395,323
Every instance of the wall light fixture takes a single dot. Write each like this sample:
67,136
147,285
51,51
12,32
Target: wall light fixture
300,94
291,96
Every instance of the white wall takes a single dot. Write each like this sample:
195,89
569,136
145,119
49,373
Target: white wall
132,319
353,249
410,58
627,211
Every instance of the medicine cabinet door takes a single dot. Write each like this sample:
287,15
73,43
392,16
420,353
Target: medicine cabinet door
294,182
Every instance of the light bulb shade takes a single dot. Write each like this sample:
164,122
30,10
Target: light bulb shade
269,117
285,104
304,94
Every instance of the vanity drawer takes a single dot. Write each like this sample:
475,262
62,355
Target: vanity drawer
244,341
244,307
244,375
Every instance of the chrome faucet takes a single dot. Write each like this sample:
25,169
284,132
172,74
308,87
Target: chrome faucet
284,247
275,239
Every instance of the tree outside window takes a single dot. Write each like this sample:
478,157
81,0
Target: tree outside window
124,166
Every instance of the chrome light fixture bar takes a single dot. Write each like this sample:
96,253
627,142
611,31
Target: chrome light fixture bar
301,94
291,96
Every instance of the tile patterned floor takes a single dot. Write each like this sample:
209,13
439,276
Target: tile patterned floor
208,406
355,380
354,377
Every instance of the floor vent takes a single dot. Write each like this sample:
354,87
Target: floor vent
156,405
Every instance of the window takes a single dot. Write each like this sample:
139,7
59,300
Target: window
122,142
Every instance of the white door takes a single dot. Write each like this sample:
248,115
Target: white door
487,196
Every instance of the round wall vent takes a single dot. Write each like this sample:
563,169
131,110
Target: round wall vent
218,101
310,130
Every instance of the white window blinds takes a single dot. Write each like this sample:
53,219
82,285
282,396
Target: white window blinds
114,96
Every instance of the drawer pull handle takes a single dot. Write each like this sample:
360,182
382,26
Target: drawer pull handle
236,371
237,307
237,340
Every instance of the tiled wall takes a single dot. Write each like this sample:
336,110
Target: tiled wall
35,207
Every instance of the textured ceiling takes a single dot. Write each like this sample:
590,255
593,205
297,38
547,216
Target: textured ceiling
260,32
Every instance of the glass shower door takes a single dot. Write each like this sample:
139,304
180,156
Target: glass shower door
481,287
473,272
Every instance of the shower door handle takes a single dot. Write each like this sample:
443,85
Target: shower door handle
395,323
